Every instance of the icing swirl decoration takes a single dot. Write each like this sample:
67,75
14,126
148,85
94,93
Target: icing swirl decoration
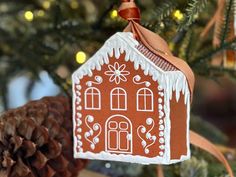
145,135
92,136
117,73
137,81
98,80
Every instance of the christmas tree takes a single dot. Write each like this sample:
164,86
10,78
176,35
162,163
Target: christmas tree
58,36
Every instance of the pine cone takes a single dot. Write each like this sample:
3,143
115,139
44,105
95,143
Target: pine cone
36,140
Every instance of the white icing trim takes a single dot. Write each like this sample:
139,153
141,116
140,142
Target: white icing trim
168,80
91,133
117,73
136,80
148,135
74,121
76,100
98,81
127,158
161,120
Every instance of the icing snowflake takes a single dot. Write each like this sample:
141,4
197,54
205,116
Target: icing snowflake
117,73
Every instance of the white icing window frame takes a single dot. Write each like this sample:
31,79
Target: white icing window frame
92,94
121,92
145,95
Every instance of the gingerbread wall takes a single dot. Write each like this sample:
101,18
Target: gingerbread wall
136,118
128,131
178,117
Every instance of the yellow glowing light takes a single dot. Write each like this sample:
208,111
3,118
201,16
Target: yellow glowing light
46,4
196,16
81,57
29,16
178,15
162,25
114,14
40,13
74,4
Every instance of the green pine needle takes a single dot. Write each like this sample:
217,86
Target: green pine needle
230,8
208,55
165,10
193,10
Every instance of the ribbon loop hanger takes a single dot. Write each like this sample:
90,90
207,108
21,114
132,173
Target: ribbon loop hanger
129,11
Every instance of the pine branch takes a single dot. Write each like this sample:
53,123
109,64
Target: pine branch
160,14
186,45
226,27
194,8
191,48
102,18
207,56
164,11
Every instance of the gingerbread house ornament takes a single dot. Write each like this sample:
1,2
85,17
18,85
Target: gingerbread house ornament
131,100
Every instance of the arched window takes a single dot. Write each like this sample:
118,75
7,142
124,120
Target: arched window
144,100
118,99
92,98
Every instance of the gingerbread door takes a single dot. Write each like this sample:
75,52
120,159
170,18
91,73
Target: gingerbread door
118,134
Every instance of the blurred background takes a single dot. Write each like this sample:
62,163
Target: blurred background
43,41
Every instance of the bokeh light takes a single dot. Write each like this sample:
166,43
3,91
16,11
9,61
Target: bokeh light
81,57
29,16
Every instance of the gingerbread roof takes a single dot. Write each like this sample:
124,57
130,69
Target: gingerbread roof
160,70
156,59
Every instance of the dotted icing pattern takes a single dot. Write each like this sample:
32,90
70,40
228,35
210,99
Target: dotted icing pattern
78,117
161,120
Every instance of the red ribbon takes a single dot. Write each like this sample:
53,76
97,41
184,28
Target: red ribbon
129,11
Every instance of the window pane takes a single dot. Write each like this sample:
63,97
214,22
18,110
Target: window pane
122,92
148,93
141,103
96,101
141,92
122,102
115,102
115,92
149,103
89,91
89,101
95,91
